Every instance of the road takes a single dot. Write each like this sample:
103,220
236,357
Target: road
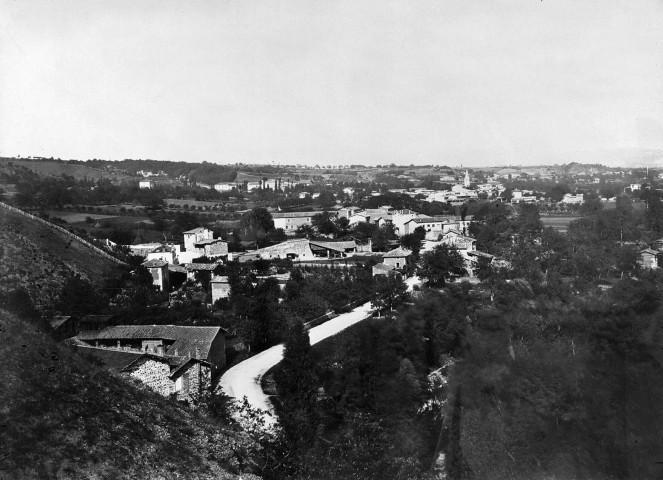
243,380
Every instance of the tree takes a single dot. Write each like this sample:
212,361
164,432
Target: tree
258,219
323,223
412,242
382,236
389,291
326,199
438,266
80,297
297,387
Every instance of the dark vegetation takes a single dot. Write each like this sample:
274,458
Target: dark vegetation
65,417
550,368
262,313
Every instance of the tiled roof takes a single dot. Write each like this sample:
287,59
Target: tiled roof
384,267
337,246
114,359
196,230
649,251
477,253
186,338
176,268
293,214
436,219
220,279
398,252
156,263
58,320
200,266
183,362
209,242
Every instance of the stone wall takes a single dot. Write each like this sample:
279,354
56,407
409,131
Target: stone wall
196,378
155,375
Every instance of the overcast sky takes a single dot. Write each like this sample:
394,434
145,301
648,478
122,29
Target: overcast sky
328,82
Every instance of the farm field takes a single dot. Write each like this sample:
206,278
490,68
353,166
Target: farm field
74,217
191,203
560,223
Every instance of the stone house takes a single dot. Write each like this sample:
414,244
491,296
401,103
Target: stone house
398,257
434,226
193,268
179,377
382,269
201,343
191,237
455,239
291,221
303,249
214,248
649,259
159,271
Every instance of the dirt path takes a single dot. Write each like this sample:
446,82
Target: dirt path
243,380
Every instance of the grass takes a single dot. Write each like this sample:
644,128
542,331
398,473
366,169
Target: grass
73,217
39,259
64,417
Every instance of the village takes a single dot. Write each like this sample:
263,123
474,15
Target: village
183,361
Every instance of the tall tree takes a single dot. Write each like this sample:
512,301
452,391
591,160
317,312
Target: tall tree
438,266
389,291
297,387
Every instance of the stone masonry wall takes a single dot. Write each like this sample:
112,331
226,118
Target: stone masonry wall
155,375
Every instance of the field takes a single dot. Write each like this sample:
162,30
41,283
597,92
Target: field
73,217
191,203
560,224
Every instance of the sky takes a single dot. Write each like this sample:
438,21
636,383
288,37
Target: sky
451,82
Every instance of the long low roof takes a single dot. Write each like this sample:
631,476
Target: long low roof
293,214
185,338
337,246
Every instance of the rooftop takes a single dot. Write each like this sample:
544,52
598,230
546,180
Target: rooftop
293,214
196,230
185,339
156,263
398,252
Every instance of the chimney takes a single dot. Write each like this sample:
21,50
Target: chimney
197,353
176,353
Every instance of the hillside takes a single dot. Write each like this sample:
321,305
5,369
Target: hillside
63,417
40,259
56,168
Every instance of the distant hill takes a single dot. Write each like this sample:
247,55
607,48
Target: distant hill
63,417
56,168
40,259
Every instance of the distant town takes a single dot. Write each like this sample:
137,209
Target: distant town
279,286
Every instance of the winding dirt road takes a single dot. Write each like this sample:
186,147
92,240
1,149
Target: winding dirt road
243,380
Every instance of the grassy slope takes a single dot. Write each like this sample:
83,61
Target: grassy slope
63,417
55,169
40,258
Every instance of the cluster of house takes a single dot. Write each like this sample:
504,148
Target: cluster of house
164,259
